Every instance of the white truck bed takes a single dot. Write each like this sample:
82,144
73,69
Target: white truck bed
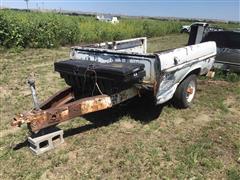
164,70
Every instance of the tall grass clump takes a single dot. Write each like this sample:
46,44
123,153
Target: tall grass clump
46,30
24,29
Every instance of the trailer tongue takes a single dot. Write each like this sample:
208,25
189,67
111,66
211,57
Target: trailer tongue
64,106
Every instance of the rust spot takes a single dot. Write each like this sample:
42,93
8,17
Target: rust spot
155,87
189,90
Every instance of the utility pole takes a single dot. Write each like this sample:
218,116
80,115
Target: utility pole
26,3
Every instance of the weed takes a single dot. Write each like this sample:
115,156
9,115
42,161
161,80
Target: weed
233,174
227,76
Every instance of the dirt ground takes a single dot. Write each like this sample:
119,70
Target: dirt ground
134,141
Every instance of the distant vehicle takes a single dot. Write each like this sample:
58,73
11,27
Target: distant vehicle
228,52
228,46
107,18
187,28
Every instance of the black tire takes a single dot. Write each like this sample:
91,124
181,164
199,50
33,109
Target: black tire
182,98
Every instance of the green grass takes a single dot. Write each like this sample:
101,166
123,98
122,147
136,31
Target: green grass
227,76
233,174
135,141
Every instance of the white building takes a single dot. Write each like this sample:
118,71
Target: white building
107,18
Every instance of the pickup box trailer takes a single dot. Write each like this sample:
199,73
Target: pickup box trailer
103,75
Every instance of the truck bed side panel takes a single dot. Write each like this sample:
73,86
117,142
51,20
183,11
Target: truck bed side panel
178,63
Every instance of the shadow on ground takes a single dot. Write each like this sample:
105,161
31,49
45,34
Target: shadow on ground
141,109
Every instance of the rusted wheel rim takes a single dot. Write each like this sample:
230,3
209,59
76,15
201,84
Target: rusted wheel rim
190,92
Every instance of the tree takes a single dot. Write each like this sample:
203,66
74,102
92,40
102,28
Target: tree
26,3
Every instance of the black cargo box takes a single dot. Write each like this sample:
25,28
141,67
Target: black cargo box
114,71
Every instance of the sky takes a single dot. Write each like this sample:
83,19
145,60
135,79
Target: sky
210,9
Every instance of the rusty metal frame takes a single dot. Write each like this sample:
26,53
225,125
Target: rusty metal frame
62,107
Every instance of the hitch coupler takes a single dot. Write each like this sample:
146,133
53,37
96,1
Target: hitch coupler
31,83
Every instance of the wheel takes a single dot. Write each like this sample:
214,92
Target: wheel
185,92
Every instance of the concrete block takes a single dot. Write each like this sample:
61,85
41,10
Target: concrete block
45,140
